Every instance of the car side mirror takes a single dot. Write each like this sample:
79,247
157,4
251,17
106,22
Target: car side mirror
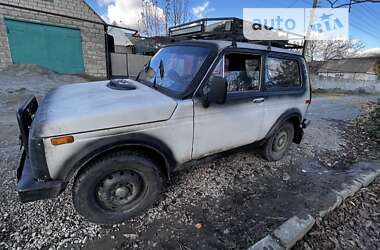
215,91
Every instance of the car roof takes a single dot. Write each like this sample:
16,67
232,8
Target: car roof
222,44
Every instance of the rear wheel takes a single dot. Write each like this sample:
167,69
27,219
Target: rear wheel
117,187
278,144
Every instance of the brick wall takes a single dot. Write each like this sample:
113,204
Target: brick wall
92,34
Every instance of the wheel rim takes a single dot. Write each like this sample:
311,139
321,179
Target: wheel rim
120,190
280,141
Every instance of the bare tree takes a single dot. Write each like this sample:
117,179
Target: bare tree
327,50
179,12
158,15
152,18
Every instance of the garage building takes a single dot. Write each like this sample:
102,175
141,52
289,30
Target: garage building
63,36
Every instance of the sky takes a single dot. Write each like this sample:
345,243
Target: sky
364,18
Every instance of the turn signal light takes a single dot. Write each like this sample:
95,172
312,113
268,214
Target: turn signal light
62,140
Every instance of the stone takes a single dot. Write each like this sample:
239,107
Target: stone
331,207
131,236
293,230
349,189
267,243
366,178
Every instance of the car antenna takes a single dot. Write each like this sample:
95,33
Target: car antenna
269,48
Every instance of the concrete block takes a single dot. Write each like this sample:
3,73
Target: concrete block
293,230
378,169
349,189
331,207
267,243
366,178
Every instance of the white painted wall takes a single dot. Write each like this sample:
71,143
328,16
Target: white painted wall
321,82
352,76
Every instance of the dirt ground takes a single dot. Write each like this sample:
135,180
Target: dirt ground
234,201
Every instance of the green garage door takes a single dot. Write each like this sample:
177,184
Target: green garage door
53,47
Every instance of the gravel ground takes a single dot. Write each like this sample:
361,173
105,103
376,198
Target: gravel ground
25,226
354,225
227,203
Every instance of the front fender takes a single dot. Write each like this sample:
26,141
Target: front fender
94,150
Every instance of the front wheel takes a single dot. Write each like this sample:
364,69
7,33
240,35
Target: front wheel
116,187
278,144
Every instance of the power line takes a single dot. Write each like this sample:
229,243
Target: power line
371,11
364,31
363,20
293,3
351,3
369,33
368,12
369,25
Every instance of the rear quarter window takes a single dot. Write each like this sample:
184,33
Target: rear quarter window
282,74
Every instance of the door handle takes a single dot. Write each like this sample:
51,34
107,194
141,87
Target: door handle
258,100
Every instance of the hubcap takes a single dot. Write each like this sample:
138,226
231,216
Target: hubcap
119,190
122,192
280,141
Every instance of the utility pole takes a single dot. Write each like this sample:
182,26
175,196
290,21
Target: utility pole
167,15
309,26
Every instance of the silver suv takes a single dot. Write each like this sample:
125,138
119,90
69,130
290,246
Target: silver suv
118,140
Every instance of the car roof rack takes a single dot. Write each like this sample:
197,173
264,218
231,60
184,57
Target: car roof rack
227,29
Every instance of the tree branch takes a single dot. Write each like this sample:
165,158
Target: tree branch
353,2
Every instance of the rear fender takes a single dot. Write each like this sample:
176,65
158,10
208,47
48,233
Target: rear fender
293,115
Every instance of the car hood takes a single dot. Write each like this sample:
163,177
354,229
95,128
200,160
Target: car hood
84,107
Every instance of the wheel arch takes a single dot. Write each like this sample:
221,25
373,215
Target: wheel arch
153,147
295,117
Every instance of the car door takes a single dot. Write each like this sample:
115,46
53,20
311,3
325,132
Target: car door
239,121
284,87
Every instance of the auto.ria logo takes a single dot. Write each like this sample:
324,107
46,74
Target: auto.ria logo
295,24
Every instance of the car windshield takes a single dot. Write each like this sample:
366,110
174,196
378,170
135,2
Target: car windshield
174,67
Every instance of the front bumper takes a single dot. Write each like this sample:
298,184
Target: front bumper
30,189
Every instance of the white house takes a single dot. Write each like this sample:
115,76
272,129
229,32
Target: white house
365,68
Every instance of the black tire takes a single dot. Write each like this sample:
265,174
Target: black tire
116,187
278,144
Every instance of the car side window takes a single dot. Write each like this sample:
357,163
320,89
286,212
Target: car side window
242,71
281,74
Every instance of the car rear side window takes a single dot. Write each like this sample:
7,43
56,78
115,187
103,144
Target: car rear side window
282,74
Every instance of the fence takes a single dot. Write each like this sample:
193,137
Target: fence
127,65
331,83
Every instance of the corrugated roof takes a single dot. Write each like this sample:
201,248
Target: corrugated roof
350,65
121,37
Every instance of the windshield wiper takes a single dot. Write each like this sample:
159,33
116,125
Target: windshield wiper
147,66
146,69
154,82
